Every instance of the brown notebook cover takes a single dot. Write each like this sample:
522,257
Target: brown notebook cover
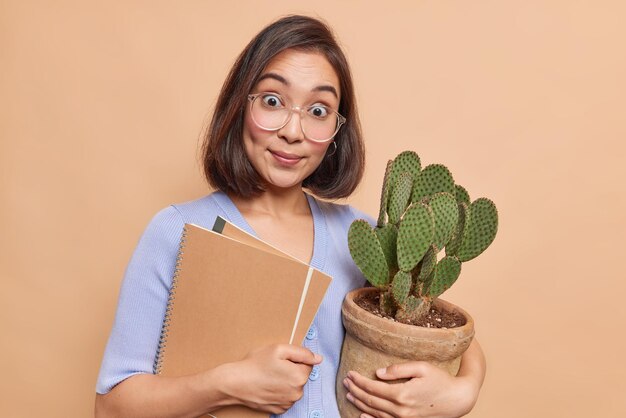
229,297
317,286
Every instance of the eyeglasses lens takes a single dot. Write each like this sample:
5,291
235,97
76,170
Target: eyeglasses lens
318,122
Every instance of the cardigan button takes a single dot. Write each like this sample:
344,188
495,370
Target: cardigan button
315,373
316,413
312,333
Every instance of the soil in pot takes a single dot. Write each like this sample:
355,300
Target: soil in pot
436,318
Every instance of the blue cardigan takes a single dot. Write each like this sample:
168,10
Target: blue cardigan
132,345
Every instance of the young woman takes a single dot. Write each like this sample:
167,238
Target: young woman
285,120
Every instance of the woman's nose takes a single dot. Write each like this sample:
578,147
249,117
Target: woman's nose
292,131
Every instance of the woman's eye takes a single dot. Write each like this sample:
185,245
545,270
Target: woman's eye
271,100
318,111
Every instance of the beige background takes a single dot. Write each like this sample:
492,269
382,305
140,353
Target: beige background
101,110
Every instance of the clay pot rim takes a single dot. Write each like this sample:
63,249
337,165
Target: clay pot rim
361,315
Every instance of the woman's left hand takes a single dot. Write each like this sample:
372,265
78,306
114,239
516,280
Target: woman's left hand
430,392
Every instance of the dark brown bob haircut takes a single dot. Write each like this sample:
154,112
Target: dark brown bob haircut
226,165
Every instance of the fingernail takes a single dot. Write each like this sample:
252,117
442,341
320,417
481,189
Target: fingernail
345,382
381,371
350,397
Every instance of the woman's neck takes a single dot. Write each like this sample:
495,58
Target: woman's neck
275,202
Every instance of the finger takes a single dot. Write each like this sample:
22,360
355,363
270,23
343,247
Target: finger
382,390
367,402
405,370
299,354
303,371
367,410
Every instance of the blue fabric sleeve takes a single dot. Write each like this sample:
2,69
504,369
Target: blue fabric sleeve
134,338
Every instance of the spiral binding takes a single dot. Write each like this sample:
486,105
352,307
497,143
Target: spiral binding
158,361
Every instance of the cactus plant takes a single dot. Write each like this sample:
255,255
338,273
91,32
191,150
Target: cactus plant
422,212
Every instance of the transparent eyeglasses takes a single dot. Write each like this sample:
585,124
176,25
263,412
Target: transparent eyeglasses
270,111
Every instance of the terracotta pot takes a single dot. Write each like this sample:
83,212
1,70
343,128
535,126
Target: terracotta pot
372,342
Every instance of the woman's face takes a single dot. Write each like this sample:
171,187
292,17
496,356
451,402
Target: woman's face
284,158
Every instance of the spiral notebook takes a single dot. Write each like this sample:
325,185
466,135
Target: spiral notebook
232,293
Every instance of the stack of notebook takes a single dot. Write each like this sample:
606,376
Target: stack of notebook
232,293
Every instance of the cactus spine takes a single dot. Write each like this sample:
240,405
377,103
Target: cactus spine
422,211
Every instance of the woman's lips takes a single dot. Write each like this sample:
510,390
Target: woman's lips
286,158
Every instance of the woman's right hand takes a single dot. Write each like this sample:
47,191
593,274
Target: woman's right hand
270,378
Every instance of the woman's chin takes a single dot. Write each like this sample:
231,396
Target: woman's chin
284,183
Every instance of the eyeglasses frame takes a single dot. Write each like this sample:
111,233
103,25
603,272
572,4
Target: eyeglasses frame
340,118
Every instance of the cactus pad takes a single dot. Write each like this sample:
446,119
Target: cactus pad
425,285
428,264
412,309
367,253
446,213
388,236
461,194
481,225
452,247
384,197
387,304
433,179
412,303
401,286
400,195
446,273
415,235
407,161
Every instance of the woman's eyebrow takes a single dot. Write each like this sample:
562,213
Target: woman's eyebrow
280,78
326,87
275,77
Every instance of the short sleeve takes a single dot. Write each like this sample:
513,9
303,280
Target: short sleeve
134,338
